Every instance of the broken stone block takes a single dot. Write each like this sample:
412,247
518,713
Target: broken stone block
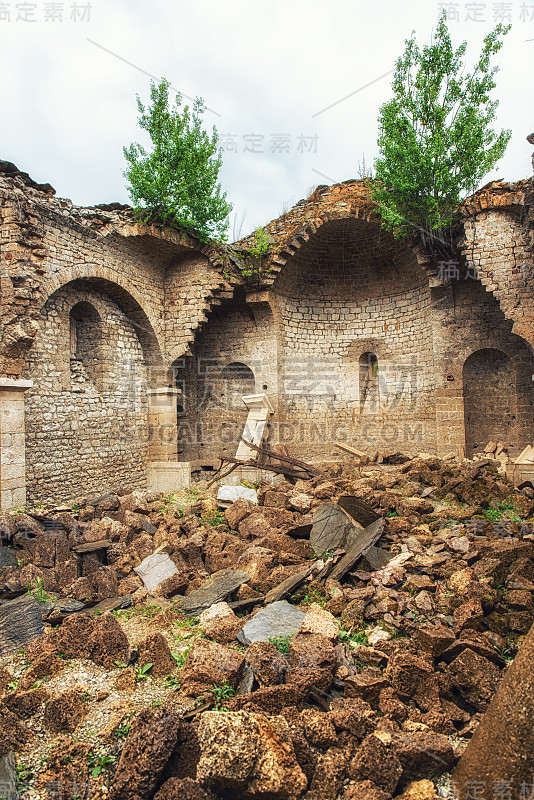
108,642
214,589
156,568
20,622
332,529
209,663
376,761
312,659
328,775
146,752
155,650
475,678
15,735
248,755
184,788
267,663
502,747
229,494
275,620
238,511
422,754
220,623
317,620
65,712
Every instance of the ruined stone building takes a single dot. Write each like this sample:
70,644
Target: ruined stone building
125,346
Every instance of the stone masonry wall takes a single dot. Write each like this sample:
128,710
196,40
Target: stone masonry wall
86,433
349,291
212,421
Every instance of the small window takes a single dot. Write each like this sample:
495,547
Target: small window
85,344
369,382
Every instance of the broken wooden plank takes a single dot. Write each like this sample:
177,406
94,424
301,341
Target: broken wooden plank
92,547
291,584
250,602
368,537
348,449
295,462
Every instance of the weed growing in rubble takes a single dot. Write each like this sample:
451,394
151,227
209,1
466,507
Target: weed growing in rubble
221,693
12,686
37,590
506,509
141,673
24,775
281,643
180,658
99,763
249,485
360,637
213,518
123,730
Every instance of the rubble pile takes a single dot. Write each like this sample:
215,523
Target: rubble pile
326,639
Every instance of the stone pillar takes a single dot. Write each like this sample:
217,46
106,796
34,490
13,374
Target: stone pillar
163,424
165,472
12,443
500,756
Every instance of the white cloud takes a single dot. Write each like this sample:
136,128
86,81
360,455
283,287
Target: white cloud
266,67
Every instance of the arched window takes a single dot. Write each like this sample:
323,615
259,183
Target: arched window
85,344
369,382
237,380
490,399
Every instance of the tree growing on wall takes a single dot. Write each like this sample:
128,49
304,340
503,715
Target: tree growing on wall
176,183
436,136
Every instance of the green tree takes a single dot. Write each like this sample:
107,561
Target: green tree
436,139
177,182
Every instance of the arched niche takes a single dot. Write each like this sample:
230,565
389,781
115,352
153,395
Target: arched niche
236,380
497,391
85,333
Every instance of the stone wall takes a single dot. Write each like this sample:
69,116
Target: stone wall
86,415
348,292
236,353
353,336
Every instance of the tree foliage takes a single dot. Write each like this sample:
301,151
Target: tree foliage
176,183
436,137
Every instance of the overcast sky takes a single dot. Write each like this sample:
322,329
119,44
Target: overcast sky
266,70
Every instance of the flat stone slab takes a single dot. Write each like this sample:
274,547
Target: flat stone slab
155,569
229,494
276,619
332,529
214,589
111,604
8,558
8,777
20,622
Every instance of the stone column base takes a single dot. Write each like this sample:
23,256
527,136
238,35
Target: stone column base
12,443
168,476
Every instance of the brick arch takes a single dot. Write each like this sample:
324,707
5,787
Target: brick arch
352,244
347,200
125,295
